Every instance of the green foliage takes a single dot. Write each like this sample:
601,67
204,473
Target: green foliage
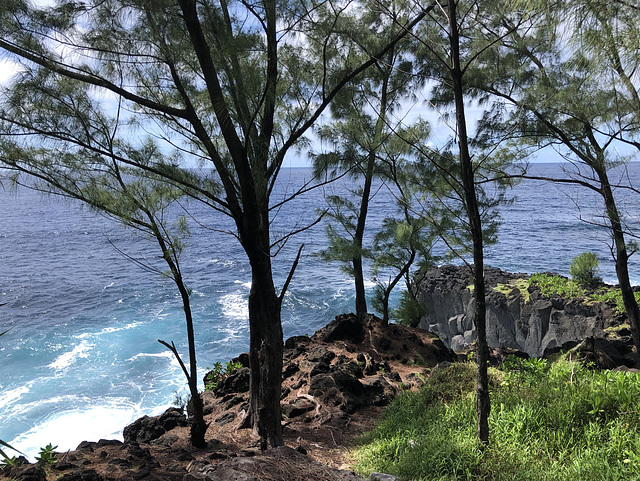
181,401
522,285
47,454
612,296
583,270
559,421
219,373
409,310
556,285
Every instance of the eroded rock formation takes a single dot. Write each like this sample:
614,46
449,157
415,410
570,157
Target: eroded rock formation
518,317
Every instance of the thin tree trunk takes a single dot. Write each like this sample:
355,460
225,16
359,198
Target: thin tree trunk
621,258
361,302
198,425
483,406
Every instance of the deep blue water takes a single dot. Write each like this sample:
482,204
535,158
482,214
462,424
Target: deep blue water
82,359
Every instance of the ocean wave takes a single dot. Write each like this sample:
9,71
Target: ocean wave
109,330
81,351
68,428
14,395
142,355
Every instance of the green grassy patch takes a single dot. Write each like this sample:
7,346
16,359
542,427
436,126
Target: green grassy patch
522,285
555,421
612,296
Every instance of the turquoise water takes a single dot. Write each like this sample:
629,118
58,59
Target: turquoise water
82,359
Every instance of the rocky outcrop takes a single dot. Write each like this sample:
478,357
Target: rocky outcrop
345,365
148,428
517,317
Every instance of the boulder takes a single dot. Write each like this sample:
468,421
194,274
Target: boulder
236,382
344,327
148,428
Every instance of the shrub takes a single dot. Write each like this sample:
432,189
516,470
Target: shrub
409,311
583,270
218,374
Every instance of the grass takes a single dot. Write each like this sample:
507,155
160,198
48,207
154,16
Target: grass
521,285
554,421
553,284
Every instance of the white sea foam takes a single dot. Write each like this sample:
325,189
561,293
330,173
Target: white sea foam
235,306
243,284
65,360
13,395
142,355
108,330
67,429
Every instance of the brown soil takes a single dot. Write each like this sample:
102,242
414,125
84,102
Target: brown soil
325,432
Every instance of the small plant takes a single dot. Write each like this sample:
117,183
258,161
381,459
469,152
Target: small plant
583,270
47,454
218,374
612,296
181,401
12,461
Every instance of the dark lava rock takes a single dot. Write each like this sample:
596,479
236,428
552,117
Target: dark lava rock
81,475
29,472
236,382
108,442
226,418
297,407
290,369
344,327
147,428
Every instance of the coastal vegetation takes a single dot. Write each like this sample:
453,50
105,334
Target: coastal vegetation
556,285
556,420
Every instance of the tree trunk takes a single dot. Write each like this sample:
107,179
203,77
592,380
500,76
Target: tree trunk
358,276
265,343
621,258
198,426
483,406
361,302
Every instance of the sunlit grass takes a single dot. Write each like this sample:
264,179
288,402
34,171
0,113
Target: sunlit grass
557,421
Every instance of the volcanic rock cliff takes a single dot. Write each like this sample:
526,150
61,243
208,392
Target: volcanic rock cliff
518,315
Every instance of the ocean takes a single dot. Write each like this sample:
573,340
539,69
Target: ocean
82,360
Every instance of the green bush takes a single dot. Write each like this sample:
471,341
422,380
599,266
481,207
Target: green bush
583,270
409,311
218,374
612,296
